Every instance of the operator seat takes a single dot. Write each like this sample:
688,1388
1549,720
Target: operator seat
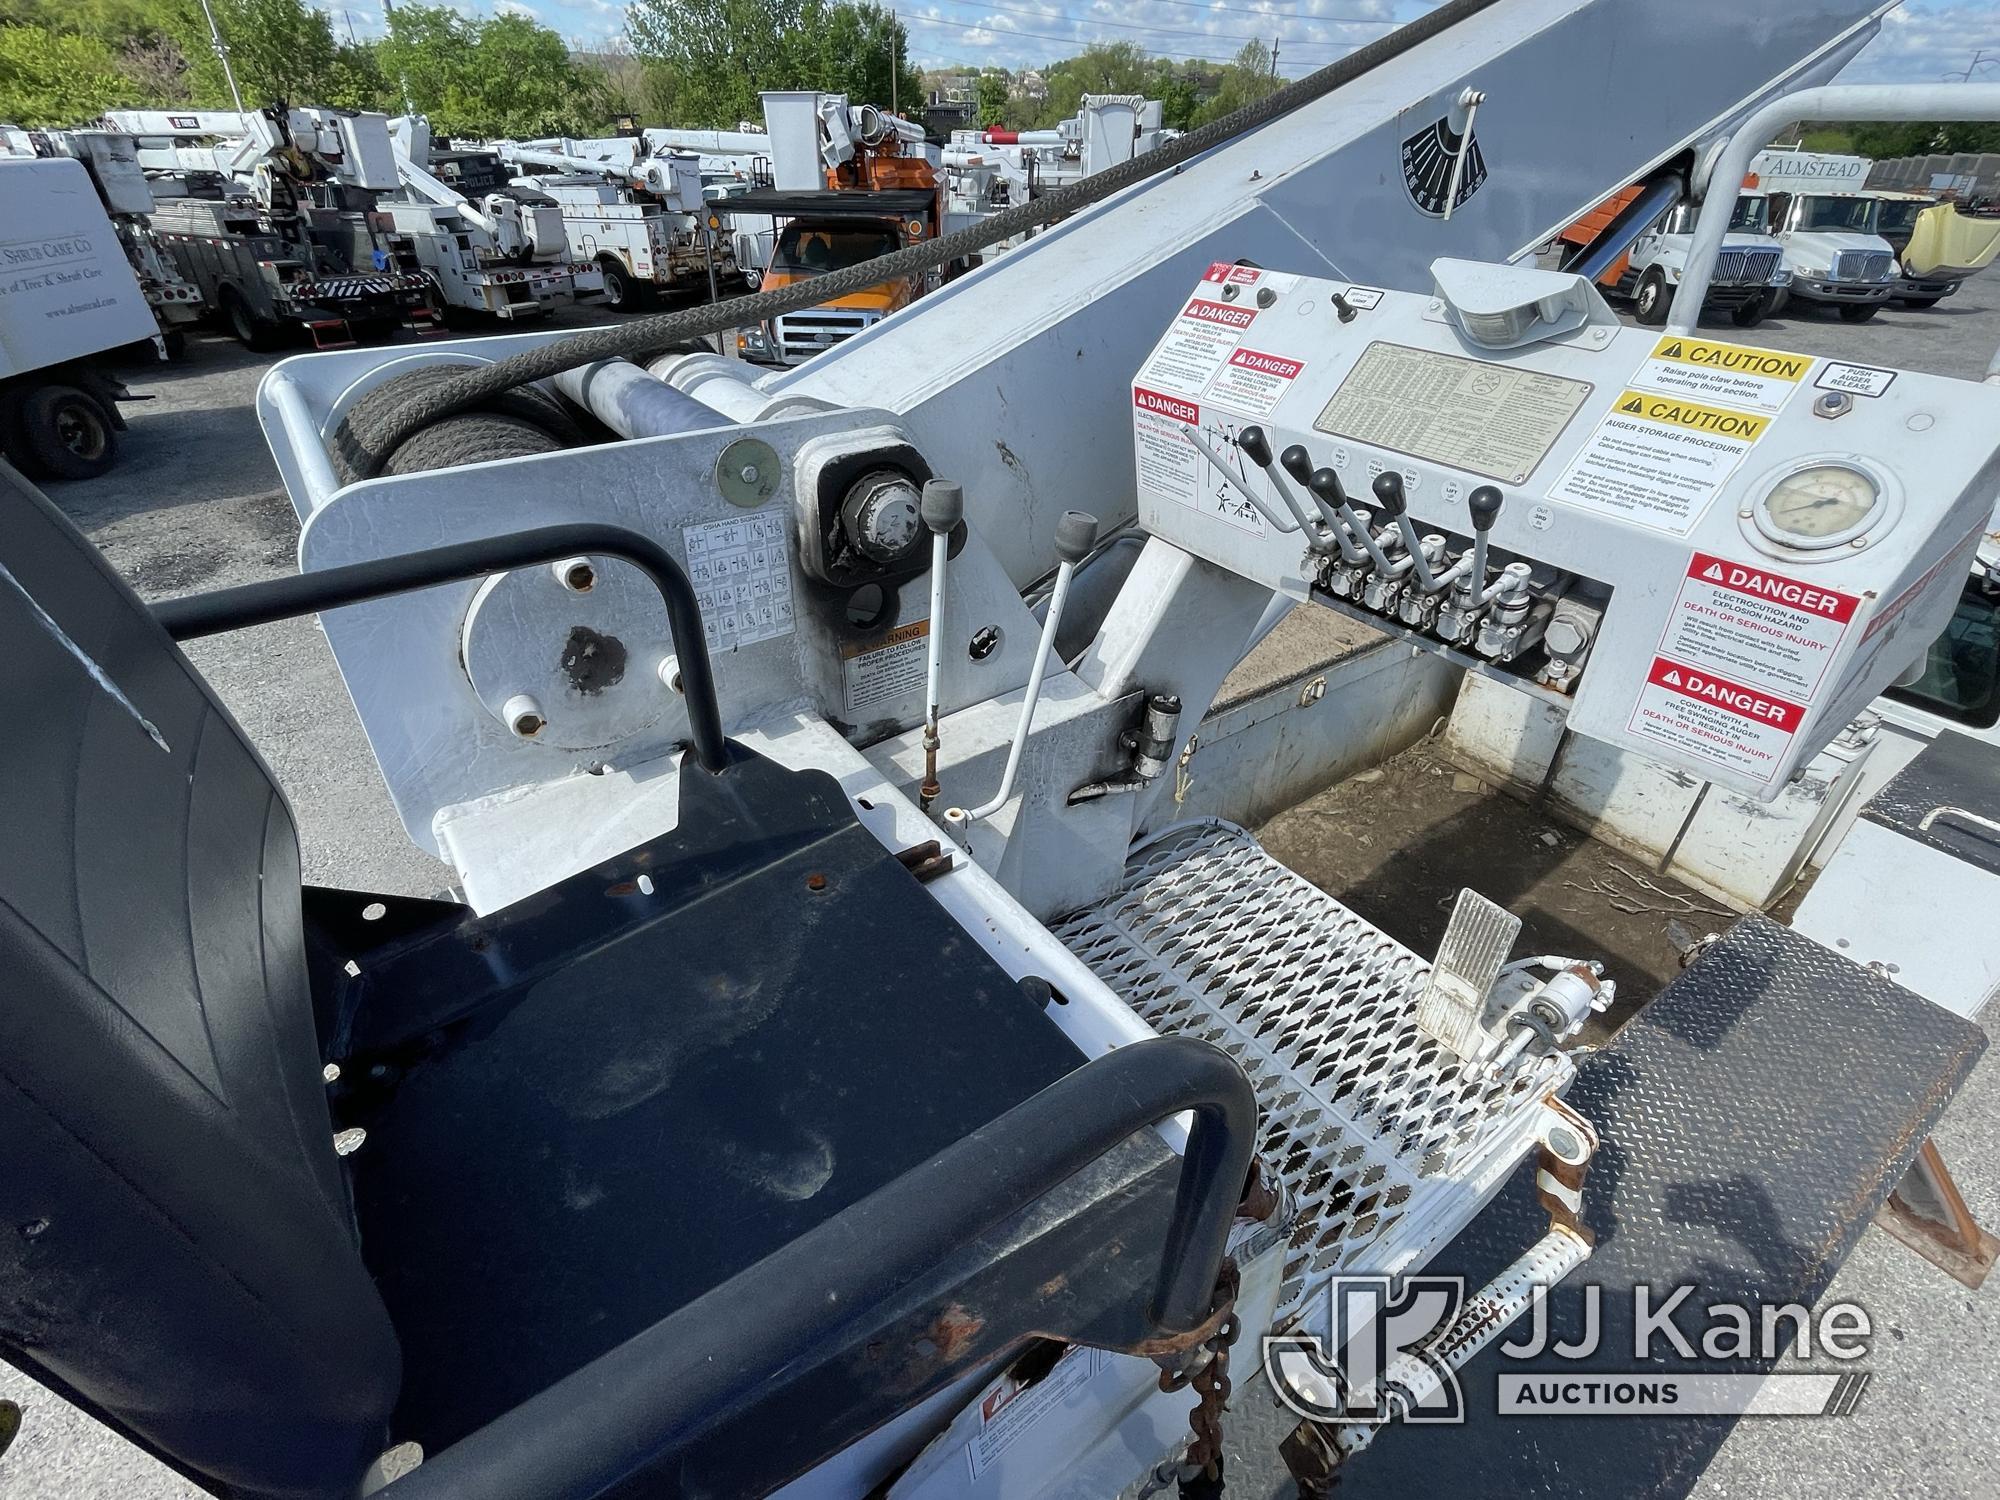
579,1117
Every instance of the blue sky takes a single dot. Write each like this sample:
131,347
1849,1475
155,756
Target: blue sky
1920,43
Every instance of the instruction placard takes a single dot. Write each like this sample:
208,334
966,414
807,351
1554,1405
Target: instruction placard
1169,464
1009,1410
1856,380
1196,345
1659,460
877,673
741,578
1715,720
1728,374
1760,627
1253,382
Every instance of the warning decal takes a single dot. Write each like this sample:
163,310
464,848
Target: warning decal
881,672
1169,464
1715,720
1195,346
1659,460
1762,628
1734,374
1252,382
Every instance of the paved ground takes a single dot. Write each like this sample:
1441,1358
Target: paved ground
196,503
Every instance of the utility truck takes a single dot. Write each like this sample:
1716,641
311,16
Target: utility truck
1937,247
1827,223
268,212
1750,276
68,300
867,1052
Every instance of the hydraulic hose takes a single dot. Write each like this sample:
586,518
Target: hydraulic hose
390,415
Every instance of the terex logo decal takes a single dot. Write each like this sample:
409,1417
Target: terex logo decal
1220,314
1706,686
1167,406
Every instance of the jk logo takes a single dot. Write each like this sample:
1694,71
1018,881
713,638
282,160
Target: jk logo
1380,1363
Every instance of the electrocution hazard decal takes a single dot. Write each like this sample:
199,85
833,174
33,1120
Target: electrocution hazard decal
1762,628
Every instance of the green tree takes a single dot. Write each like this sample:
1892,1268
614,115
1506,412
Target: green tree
1245,80
992,98
501,76
279,50
49,77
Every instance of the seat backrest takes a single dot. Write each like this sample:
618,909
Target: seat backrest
177,1250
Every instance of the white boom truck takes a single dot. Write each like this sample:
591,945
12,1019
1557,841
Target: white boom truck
67,298
867,1058
1826,222
502,254
113,164
1750,275
639,220
267,212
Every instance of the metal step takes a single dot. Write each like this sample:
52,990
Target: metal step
1387,1145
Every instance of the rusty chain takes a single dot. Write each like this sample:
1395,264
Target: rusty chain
1210,1382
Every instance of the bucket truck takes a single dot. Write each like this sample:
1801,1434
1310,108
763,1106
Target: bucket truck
268,213
115,172
870,1057
639,221
501,253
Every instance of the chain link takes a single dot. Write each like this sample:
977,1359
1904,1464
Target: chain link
1202,1457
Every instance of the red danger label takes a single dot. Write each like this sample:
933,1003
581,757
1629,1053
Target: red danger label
1222,270
1266,364
1706,687
1167,406
1221,314
1829,604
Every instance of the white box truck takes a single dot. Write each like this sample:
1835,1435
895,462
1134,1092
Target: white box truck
67,298
1827,224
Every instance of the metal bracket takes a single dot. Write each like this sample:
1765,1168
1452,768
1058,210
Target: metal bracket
1927,1213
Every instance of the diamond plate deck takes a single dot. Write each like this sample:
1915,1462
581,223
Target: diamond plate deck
1957,772
1754,1116
1386,1143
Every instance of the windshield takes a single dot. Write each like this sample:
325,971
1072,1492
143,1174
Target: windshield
1750,216
1839,215
1898,214
809,250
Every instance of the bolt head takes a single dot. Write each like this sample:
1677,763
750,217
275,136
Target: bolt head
748,474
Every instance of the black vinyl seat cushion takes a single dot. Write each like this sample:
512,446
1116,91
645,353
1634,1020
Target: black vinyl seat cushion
586,1110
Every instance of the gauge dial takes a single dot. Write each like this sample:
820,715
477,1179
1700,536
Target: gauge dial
1818,506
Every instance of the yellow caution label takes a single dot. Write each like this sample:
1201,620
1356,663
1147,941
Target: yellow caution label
1739,359
1673,411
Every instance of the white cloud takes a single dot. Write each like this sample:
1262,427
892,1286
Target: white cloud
1928,43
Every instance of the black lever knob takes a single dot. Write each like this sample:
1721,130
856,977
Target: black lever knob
1252,442
1298,463
1388,489
1484,503
1326,484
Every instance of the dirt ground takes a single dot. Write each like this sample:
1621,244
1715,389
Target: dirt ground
1398,843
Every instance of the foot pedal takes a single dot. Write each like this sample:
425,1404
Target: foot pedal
1386,1143
1469,960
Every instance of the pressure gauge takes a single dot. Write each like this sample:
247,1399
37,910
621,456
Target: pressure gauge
1824,503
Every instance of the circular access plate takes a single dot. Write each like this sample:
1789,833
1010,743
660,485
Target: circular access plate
747,473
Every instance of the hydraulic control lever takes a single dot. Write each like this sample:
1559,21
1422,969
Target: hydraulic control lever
1484,503
1298,463
1389,497
1278,523
1254,445
1325,487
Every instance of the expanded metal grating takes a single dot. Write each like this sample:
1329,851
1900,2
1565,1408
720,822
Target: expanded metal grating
1387,1145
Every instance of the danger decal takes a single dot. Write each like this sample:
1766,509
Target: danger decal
1769,631
1180,409
1715,720
1253,382
1222,314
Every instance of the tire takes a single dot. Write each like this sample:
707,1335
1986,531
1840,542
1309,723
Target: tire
1858,312
251,331
622,291
176,342
67,433
1652,302
1922,301
1750,314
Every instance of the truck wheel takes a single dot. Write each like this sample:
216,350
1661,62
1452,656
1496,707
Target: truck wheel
1653,301
1750,314
622,292
68,434
1858,312
1922,301
251,331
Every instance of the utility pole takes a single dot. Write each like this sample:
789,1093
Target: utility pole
222,55
1979,60
894,66
1274,59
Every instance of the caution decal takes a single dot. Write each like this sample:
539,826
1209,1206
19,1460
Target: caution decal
1675,412
1730,374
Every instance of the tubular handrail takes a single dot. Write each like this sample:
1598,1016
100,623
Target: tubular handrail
632,1408
355,583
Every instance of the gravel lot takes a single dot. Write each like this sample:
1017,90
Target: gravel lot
195,503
